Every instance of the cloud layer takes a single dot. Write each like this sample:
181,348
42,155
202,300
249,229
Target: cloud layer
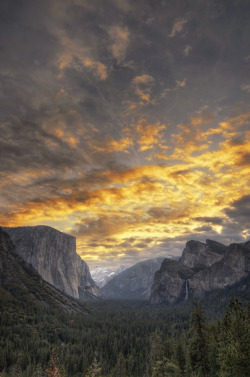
126,124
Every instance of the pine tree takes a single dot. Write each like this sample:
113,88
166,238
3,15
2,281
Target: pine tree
165,368
156,352
181,357
95,369
234,347
199,343
38,372
120,366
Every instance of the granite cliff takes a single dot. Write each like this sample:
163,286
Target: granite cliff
133,283
20,283
53,255
203,267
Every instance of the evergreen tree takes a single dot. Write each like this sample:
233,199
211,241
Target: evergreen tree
95,369
180,357
120,368
38,372
156,352
165,368
199,342
234,347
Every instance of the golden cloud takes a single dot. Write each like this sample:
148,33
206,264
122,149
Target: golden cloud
236,122
120,39
178,26
143,85
151,200
110,145
181,84
148,134
74,55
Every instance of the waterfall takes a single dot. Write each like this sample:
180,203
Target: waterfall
186,296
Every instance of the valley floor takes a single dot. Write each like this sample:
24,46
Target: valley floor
125,339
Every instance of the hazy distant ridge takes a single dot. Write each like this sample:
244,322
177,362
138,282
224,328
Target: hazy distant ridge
133,283
101,275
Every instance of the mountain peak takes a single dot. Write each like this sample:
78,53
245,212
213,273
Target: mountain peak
53,255
201,268
19,280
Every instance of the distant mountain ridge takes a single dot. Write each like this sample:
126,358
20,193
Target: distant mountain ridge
133,283
53,255
101,275
202,268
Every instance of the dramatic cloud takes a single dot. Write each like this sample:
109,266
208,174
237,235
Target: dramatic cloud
119,42
178,27
126,124
239,213
143,87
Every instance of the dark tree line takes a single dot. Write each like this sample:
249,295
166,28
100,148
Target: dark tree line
125,339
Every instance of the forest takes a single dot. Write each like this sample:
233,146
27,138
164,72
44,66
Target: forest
126,339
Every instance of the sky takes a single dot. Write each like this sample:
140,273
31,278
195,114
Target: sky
126,123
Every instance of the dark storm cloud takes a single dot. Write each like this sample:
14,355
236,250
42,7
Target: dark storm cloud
240,211
203,229
141,245
212,220
125,245
89,89
244,159
25,145
37,40
158,212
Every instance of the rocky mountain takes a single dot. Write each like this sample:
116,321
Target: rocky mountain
101,275
133,283
203,267
53,255
20,283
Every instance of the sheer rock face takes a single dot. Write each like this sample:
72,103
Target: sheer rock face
198,255
19,280
170,282
53,255
133,283
202,268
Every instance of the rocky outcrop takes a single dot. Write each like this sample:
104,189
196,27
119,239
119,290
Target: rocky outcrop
202,268
20,283
198,255
133,283
169,282
53,255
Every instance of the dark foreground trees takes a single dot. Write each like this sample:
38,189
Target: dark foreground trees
234,341
126,340
199,342
221,349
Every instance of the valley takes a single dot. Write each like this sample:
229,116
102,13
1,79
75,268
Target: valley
124,188
47,332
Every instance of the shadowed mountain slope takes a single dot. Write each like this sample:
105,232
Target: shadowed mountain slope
53,255
133,283
203,267
21,284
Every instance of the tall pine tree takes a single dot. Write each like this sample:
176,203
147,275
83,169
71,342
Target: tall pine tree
199,342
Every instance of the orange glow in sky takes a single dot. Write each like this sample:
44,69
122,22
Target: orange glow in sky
124,128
